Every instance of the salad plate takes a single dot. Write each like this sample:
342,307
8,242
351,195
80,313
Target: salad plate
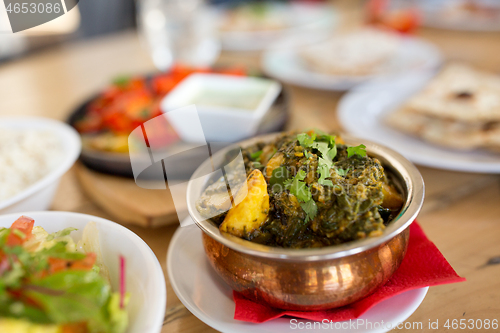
206,295
362,113
144,280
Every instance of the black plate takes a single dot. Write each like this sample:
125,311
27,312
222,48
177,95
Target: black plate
181,165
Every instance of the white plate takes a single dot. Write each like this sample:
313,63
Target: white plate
445,14
144,275
207,296
285,64
362,112
311,20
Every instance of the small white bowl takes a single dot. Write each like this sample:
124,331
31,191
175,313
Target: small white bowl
144,275
39,195
230,107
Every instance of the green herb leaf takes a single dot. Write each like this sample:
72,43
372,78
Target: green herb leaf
61,233
305,140
333,151
342,172
322,147
358,150
324,172
299,188
256,155
323,136
310,208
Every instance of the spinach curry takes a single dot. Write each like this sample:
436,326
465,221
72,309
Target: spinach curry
304,190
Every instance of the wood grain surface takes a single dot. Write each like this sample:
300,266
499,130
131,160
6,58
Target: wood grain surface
461,214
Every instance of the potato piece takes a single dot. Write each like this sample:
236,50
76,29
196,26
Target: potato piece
392,199
275,162
252,211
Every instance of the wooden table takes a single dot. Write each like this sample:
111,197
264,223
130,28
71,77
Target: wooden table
461,210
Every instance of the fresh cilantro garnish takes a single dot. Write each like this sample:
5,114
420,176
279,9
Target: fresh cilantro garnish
305,140
325,162
322,147
342,172
327,150
323,136
310,208
298,187
256,155
358,150
324,171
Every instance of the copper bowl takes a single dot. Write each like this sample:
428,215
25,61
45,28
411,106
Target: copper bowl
310,279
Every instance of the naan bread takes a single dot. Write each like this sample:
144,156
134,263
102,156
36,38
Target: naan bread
362,52
460,93
447,132
459,108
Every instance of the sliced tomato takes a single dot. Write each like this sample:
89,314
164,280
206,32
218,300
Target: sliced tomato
24,225
59,265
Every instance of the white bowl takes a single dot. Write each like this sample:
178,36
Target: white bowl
144,275
39,195
230,108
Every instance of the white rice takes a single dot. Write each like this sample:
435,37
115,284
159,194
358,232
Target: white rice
26,156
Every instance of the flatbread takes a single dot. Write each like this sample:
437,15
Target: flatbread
447,132
362,52
462,94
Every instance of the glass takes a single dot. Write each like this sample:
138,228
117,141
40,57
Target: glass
178,31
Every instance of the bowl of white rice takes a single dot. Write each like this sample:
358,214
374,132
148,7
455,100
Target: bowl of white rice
34,154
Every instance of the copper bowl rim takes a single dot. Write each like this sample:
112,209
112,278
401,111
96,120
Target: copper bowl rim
405,172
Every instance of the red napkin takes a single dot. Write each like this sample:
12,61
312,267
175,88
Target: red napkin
422,266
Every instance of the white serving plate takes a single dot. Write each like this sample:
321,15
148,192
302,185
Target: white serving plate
362,112
144,275
285,64
219,122
304,20
210,299
436,14
39,195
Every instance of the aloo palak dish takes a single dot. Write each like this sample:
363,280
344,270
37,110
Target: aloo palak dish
304,190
